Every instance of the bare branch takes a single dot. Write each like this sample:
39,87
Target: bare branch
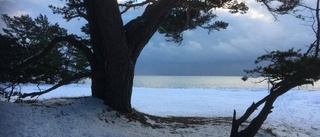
307,7
130,5
313,23
61,83
7,90
318,30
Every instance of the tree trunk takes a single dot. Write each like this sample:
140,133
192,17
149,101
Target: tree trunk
112,74
98,86
98,74
117,47
115,86
276,91
119,86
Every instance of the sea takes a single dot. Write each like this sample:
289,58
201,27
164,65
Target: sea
208,82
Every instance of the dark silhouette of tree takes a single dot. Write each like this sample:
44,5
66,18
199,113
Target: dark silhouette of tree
22,39
287,70
112,47
28,37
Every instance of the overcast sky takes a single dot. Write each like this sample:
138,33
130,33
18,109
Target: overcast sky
225,52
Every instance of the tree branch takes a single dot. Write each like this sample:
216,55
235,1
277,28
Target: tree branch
318,30
141,29
81,14
130,5
276,91
74,8
69,39
307,7
61,83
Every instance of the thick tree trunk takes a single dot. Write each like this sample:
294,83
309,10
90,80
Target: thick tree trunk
98,74
112,76
115,86
119,84
98,85
117,47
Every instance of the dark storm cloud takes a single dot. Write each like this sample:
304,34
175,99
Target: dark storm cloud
199,68
227,52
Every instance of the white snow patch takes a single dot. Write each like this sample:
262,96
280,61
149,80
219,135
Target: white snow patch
295,113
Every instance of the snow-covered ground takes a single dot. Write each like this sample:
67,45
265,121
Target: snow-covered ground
295,113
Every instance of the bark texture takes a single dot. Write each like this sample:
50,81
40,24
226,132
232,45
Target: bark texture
116,48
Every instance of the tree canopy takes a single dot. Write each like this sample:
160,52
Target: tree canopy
45,53
184,15
25,37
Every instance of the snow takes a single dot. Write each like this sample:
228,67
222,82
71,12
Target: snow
295,114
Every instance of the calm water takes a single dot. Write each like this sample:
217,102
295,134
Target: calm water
230,82
205,82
